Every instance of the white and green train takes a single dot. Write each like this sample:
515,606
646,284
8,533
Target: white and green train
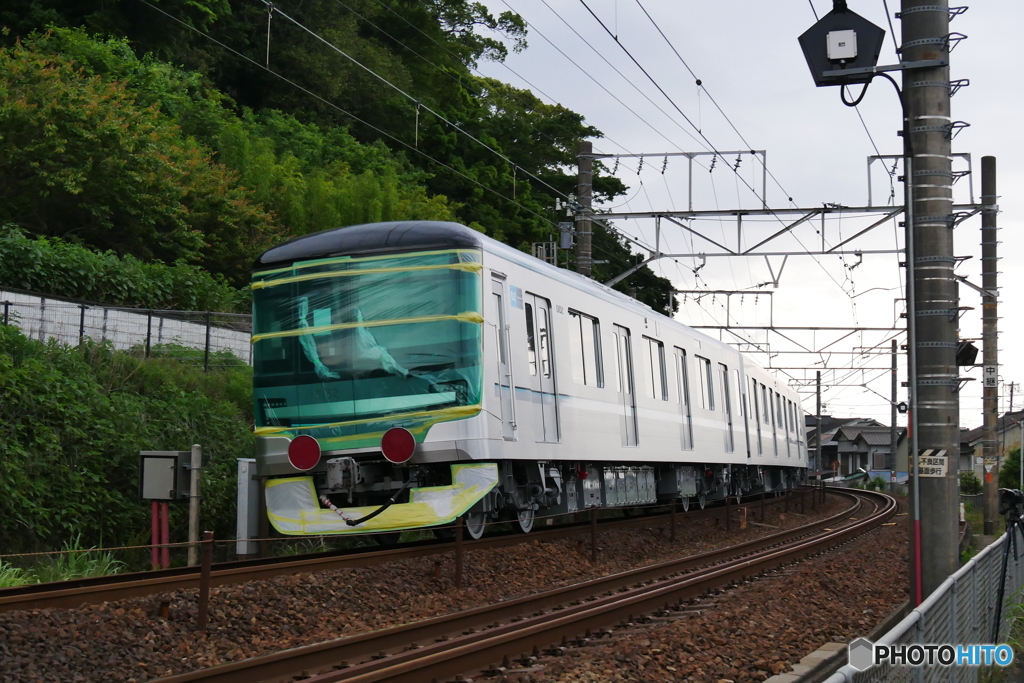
410,373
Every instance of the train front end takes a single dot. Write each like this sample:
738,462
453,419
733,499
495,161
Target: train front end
367,355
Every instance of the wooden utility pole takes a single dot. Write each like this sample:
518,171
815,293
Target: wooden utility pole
585,197
990,346
933,310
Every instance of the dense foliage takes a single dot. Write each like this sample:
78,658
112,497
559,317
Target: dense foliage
1009,470
61,268
72,423
969,484
434,141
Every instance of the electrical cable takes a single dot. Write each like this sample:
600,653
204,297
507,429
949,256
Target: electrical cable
702,87
350,114
418,103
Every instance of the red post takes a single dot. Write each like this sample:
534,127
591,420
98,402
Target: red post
593,534
154,553
165,533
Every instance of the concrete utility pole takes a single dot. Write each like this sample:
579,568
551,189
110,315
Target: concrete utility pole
585,197
932,292
893,439
818,456
193,505
990,346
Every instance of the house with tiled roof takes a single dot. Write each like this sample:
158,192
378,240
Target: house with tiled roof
851,444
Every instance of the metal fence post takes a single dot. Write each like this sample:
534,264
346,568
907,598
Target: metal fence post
149,331
206,353
81,323
7,312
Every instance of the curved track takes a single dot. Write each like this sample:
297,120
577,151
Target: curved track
72,594
470,640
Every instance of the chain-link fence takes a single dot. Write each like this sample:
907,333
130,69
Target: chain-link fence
203,337
960,612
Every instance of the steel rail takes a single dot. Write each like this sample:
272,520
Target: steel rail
75,593
622,592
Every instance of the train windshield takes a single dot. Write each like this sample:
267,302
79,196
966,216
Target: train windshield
338,342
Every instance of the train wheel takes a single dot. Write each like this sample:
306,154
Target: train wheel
686,503
475,522
702,501
525,519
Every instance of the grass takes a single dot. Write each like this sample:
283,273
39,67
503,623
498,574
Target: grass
63,567
11,576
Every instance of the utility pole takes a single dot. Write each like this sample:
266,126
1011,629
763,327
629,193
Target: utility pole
584,197
819,457
193,505
990,346
932,294
893,441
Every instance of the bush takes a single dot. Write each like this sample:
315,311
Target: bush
72,423
969,484
58,268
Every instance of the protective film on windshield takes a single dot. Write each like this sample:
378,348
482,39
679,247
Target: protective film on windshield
345,348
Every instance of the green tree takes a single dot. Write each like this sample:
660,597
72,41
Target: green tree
1009,470
82,161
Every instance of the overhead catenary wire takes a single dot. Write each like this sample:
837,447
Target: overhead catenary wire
412,98
354,117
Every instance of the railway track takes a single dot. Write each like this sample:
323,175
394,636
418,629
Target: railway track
476,639
73,594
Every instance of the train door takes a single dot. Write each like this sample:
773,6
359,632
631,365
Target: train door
723,374
683,383
624,383
540,355
741,397
506,387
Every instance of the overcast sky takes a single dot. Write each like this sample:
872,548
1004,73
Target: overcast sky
749,61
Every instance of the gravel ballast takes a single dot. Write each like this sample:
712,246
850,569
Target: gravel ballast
128,640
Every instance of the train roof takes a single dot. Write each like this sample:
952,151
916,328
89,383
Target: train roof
400,236
373,238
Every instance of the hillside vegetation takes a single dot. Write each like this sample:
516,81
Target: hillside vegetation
151,151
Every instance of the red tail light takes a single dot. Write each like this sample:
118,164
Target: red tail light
304,452
398,445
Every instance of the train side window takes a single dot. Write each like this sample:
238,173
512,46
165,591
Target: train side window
684,398
499,330
765,408
586,349
545,342
778,407
654,369
707,385
531,341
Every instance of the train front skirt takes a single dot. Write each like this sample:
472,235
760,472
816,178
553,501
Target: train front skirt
293,508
